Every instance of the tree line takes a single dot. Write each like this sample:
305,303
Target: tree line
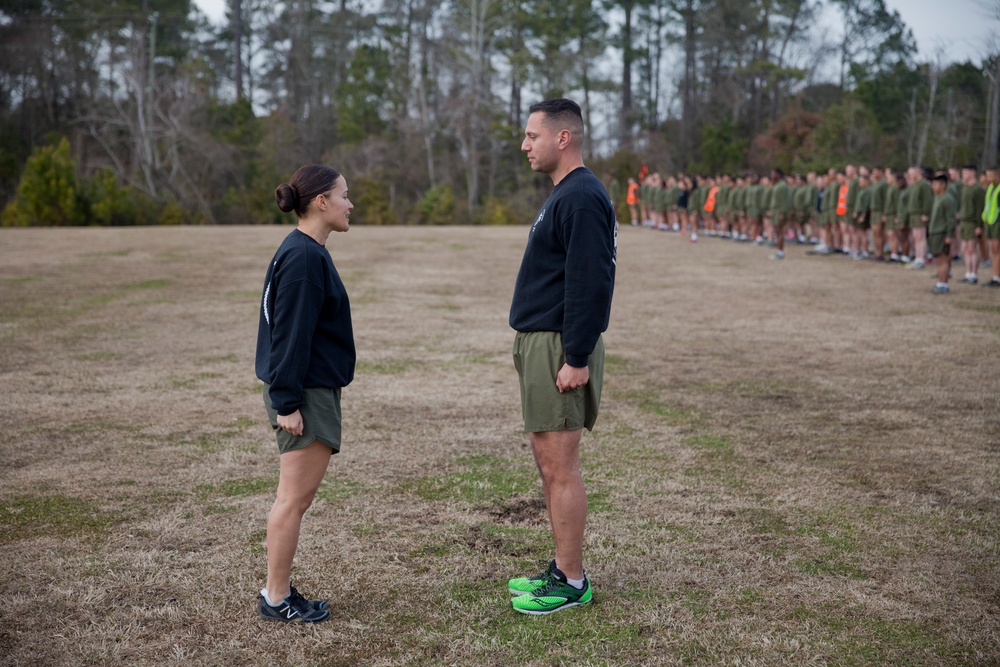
143,112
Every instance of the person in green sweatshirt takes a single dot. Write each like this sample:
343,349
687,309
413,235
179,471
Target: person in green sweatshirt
941,230
781,208
921,202
972,201
876,216
890,206
859,219
902,216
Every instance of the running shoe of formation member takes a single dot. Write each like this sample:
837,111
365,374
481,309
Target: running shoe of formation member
560,308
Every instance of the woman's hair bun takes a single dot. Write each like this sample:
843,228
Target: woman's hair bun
287,197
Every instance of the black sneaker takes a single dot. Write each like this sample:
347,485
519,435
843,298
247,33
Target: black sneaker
293,609
992,283
315,604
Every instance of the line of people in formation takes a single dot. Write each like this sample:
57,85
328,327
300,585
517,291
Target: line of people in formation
913,218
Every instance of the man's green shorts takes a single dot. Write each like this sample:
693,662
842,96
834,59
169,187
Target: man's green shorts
991,231
892,223
538,356
321,420
936,244
967,230
916,221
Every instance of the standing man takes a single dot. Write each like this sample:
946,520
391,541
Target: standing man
972,201
921,202
561,305
876,215
632,199
941,230
781,206
991,228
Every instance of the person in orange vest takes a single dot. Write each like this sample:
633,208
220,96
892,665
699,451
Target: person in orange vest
711,207
632,199
841,211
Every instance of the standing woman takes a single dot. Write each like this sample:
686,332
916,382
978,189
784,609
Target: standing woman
305,356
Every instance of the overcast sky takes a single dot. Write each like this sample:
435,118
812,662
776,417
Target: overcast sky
958,30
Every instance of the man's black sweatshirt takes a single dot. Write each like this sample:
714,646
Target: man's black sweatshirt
567,275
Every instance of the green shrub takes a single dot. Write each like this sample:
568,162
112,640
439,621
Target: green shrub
48,194
437,206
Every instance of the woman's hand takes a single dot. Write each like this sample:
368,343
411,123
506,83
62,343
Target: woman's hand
291,423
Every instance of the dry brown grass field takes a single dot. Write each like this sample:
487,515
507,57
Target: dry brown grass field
796,463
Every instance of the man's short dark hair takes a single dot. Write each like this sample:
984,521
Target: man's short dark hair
940,176
561,111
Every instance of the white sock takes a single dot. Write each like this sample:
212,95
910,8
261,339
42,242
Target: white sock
267,598
941,284
575,583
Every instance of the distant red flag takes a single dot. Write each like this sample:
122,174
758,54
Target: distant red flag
643,171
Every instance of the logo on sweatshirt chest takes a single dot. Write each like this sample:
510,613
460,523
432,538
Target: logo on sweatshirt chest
541,214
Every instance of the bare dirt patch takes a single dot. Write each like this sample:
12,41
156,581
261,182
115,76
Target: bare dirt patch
796,462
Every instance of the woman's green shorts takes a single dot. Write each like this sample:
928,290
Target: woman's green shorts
321,420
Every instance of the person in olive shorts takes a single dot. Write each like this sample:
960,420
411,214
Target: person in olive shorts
991,227
561,306
971,202
305,356
941,230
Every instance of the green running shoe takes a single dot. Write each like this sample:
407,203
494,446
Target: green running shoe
522,585
554,596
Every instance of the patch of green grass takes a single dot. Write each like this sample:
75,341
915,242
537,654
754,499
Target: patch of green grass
615,365
447,307
651,403
386,366
481,479
212,509
21,279
712,444
240,487
125,252
765,521
256,542
99,356
471,360
979,307
117,293
828,565
856,639
336,489
750,596
104,427
152,283
696,600
223,359
188,382
26,516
